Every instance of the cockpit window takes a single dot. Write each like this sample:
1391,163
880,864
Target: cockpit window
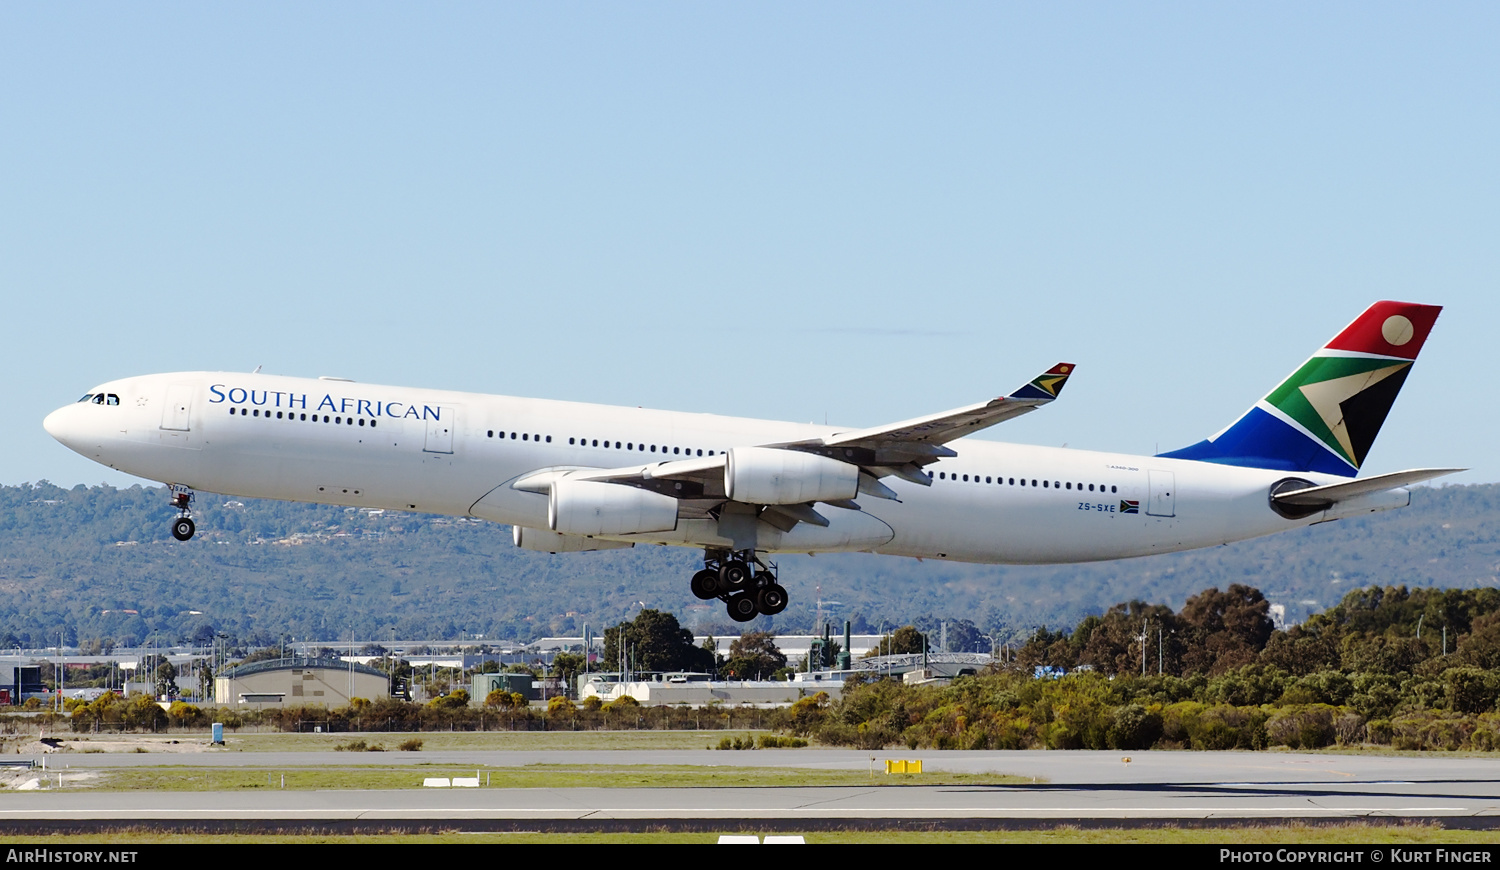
112,399
86,398
99,399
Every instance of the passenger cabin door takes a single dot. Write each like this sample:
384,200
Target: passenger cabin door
1163,501
440,430
179,402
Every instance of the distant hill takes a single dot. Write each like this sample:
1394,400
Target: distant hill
98,563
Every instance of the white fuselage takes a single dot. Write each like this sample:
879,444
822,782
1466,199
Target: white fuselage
344,443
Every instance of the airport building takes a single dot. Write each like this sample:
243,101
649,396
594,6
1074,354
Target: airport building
296,681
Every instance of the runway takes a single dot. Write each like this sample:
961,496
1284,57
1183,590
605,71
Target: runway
1085,788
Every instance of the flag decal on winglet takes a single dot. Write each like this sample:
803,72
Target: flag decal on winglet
1047,384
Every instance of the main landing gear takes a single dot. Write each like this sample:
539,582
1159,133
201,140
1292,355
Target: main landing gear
745,584
182,499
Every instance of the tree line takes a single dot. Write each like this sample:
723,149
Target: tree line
1408,668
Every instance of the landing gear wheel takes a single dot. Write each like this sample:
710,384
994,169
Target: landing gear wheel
705,584
734,574
742,607
183,528
771,599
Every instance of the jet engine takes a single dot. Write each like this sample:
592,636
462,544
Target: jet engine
587,507
767,475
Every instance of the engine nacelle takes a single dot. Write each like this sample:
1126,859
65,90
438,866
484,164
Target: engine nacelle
544,541
588,507
767,475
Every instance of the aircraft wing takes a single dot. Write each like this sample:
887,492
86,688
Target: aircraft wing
937,429
786,479
901,449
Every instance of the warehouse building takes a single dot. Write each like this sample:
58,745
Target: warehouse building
296,681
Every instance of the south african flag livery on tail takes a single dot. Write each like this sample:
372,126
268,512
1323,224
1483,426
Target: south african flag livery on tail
1325,416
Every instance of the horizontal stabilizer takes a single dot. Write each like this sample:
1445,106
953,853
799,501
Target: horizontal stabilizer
1322,496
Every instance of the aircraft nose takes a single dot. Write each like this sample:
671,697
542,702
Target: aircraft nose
63,424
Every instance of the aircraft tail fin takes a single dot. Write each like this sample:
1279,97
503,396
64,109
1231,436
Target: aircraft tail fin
1324,417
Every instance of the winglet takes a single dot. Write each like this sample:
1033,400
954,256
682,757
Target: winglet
1046,386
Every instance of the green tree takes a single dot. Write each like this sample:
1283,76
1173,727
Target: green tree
1225,629
1050,649
1116,642
205,683
566,666
903,641
166,680
753,656
501,699
455,700
656,642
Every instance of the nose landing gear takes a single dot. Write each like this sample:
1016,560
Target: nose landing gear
182,499
745,584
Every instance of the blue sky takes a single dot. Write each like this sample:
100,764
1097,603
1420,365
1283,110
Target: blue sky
857,212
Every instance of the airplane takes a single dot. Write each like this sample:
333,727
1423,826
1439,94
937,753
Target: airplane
573,477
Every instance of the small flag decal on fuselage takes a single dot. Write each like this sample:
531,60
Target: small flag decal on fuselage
1129,507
